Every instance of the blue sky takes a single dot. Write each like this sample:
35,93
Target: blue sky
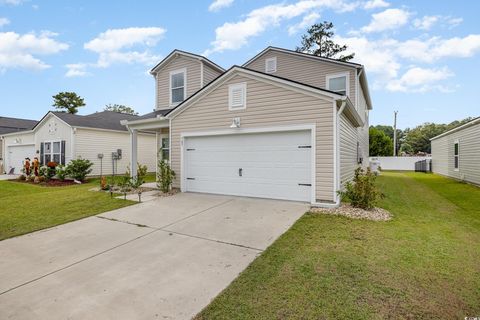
421,57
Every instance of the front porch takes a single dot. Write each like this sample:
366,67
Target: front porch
158,125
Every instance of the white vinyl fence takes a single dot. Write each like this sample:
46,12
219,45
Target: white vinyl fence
398,163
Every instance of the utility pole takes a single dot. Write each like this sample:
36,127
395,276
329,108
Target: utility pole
395,134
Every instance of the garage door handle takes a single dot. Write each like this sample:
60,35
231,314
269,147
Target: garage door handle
240,172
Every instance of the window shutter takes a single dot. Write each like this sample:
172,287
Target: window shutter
62,150
41,153
237,96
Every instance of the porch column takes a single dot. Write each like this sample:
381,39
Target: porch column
133,152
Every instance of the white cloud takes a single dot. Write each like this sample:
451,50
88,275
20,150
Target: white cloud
426,22
373,4
306,22
111,45
12,2
19,51
453,22
76,70
234,35
418,79
387,20
4,22
219,4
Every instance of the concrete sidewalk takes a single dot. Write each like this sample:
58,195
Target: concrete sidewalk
166,258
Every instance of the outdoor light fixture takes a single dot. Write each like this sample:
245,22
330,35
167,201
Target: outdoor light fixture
235,123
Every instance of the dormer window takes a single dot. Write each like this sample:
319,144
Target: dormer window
177,86
237,96
271,65
338,83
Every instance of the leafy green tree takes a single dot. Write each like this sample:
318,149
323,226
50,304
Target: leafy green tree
68,102
406,148
120,108
388,130
380,144
318,41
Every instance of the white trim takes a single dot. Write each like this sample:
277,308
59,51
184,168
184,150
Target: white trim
176,53
267,60
304,127
339,75
456,141
463,126
231,88
51,151
178,71
256,75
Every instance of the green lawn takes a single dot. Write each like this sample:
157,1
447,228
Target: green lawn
25,207
424,264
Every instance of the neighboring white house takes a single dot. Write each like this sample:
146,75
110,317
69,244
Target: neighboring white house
285,125
456,153
61,137
9,125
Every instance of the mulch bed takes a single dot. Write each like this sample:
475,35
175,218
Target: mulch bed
51,183
376,214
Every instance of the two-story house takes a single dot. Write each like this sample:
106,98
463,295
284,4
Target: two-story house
285,125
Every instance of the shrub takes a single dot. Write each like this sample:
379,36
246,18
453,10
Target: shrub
165,176
42,171
362,191
78,169
142,171
61,172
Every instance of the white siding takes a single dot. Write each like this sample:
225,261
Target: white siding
62,132
267,105
89,143
469,154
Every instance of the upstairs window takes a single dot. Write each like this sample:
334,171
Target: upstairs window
455,155
177,86
271,65
237,96
338,83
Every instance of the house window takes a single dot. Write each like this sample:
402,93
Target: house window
338,83
455,155
177,86
52,151
237,96
271,65
165,149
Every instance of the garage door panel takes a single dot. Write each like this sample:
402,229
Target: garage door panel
272,165
17,154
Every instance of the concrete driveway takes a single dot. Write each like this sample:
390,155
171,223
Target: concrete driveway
165,259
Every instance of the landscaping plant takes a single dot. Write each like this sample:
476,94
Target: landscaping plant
78,169
61,172
362,191
165,176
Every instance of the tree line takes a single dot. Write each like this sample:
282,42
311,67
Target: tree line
409,141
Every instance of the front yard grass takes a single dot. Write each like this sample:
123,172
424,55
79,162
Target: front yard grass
423,264
26,207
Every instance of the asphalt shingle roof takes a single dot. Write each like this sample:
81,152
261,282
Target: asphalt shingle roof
101,120
9,125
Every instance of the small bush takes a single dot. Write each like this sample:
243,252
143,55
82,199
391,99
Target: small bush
78,169
42,171
61,172
362,191
165,176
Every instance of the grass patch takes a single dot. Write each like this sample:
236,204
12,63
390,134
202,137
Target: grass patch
424,264
26,207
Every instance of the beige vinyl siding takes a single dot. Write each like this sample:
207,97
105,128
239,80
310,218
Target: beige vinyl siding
303,69
363,136
89,143
469,154
268,105
209,74
162,79
348,149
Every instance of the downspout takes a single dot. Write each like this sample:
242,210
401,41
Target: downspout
337,144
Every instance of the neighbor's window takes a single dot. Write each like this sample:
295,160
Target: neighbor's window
338,84
455,155
165,148
177,86
271,65
237,96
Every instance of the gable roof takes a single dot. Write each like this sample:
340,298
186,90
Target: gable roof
177,52
363,76
267,76
9,125
108,120
463,126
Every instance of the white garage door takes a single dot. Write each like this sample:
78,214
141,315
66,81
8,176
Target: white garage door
267,165
16,156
